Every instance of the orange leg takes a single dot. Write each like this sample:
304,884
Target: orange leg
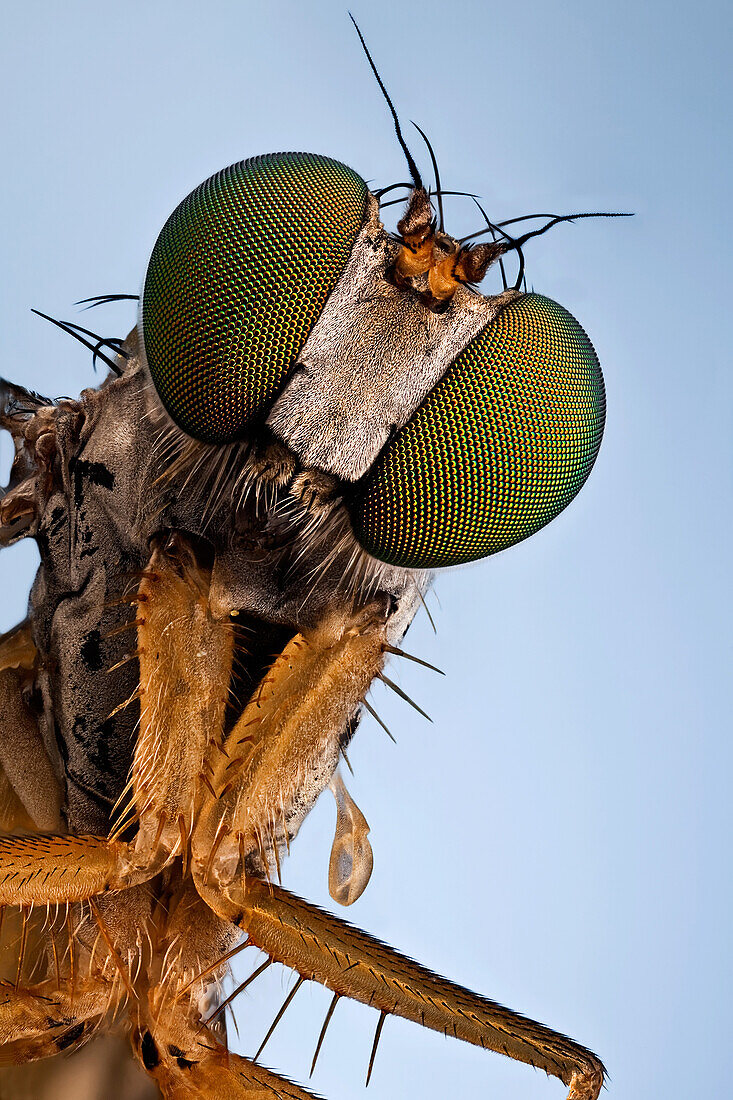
31,795
286,745
185,664
182,1054
353,964
185,660
42,1020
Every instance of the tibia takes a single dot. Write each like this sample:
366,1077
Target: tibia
354,964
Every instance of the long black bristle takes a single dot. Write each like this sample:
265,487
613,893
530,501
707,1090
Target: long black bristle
465,194
402,694
438,190
70,328
554,220
377,1036
493,229
240,989
279,1016
103,299
515,244
416,178
322,1036
392,187
114,342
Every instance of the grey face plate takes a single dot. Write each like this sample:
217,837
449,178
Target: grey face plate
371,359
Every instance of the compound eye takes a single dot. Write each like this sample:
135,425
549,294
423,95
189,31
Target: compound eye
237,280
499,447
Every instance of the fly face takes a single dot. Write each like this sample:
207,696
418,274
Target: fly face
447,425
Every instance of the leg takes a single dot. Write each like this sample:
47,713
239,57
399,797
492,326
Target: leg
285,747
23,758
13,815
181,1053
185,665
30,798
30,795
205,1071
353,964
42,1020
230,1077
264,779
104,1067
185,660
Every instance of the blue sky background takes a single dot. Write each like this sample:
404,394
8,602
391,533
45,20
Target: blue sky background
559,837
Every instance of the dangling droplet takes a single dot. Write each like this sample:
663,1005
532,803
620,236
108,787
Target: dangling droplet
350,866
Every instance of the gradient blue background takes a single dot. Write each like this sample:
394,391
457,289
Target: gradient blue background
558,839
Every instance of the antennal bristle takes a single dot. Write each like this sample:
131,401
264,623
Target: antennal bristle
438,188
493,229
515,244
416,178
555,219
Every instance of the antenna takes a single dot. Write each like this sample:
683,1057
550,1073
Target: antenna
416,178
438,189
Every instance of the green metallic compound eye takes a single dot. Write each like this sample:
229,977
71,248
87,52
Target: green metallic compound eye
499,447
237,279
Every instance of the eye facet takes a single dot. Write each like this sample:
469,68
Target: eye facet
499,447
236,281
